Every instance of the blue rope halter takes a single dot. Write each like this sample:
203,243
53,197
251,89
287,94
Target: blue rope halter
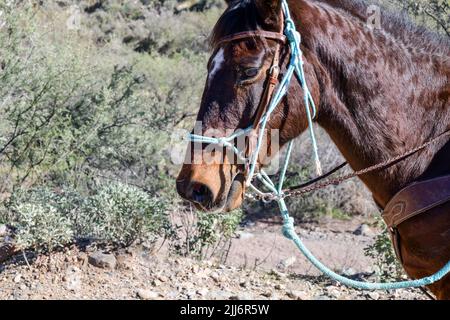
276,191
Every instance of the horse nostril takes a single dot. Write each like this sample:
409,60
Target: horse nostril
201,194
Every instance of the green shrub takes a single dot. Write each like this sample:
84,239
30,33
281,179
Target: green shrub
122,214
387,266
116,214
204,235
40,226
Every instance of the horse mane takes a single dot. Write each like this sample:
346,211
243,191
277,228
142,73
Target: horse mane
397,24
241,15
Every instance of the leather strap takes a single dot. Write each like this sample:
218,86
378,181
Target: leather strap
253,34
415,199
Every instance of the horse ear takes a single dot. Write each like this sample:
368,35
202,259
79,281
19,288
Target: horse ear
269,11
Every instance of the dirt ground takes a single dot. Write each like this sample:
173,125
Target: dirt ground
261,265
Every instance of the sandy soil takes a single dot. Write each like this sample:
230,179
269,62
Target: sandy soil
261,265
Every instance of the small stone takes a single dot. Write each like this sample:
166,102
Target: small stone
18,278
277,274
245,235
124,262
242,296
348,272
102,260
72,279
195,269
374,295
202,292
286,263
267,294
363,230
147,294
163,278
333,292
3,230
322,298
279,286
215,276
156,283
297,295
190,294
219,295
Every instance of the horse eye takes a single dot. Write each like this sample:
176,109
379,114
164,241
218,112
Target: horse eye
251,72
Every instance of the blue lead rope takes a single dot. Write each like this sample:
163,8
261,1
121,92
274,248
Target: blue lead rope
276,192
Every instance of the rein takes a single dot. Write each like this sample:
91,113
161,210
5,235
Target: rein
269,101
314,184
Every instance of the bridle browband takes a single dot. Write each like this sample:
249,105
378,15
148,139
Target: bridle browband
252,34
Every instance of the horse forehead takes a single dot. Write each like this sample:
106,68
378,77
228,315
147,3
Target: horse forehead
216,63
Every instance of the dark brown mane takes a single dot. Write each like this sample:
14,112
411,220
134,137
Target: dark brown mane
241,16
398,24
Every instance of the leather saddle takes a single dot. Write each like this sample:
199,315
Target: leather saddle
415,199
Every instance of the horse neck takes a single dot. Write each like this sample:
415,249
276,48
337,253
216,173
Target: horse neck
379,98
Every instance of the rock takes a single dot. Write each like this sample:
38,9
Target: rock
163,278
286,263
124,262
191,294
219,295
245,235
17,278
102,260
3,230
363,230
147,294
277,274
297,295
267,294
72,279
374,295
242,296
279,286
348,272
215,276
195,269
172,294
202,292
334,292
156,283
322,298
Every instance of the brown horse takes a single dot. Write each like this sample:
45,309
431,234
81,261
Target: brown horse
380,92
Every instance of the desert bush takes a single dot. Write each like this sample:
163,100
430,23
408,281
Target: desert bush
121,214
67,117
116,214
204,235
39,226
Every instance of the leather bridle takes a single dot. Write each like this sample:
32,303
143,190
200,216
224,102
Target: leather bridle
271,79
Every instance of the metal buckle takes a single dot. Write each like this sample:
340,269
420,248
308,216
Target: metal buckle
275,69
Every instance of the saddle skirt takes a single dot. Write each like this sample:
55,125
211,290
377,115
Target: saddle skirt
415,199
